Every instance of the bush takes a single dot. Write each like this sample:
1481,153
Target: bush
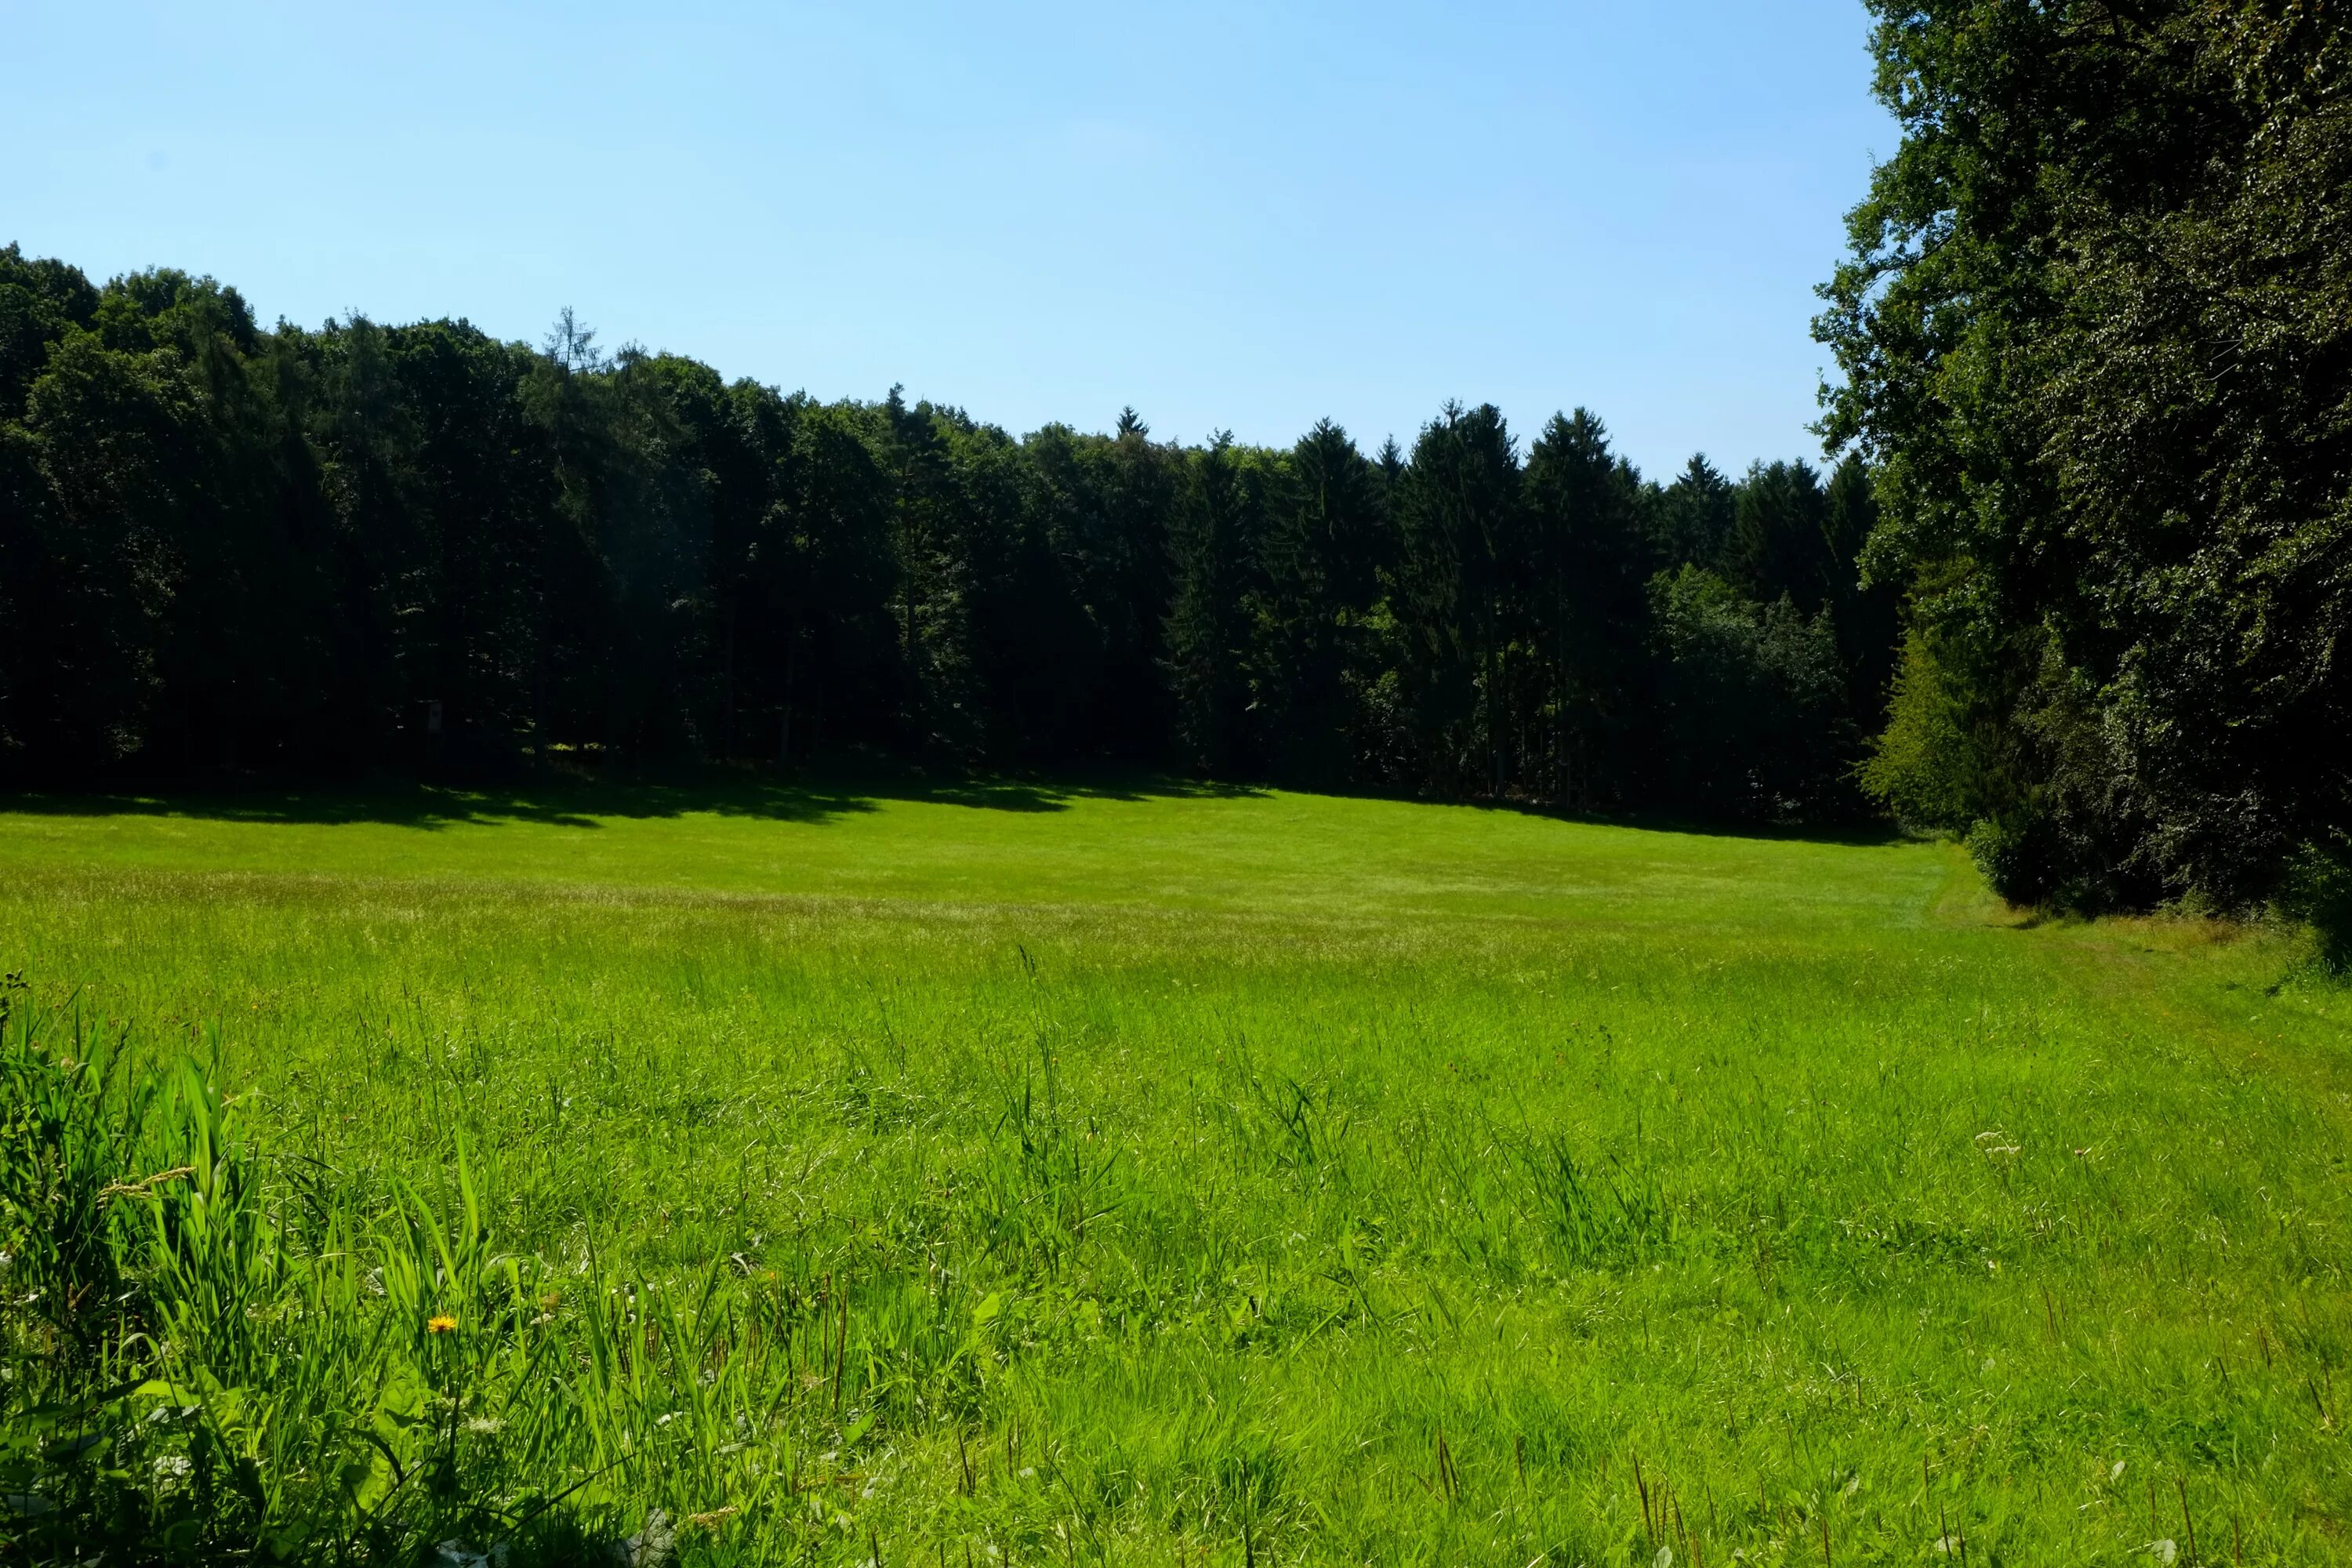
2006,855
2319,892
1923,765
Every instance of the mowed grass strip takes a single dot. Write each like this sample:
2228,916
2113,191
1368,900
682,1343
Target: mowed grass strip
1268,1177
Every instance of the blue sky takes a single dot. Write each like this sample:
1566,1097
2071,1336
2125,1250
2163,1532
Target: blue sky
1245,215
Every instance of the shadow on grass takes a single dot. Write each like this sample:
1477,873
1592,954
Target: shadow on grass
1861,834
582,802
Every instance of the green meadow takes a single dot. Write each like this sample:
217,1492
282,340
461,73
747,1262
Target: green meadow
1144,1174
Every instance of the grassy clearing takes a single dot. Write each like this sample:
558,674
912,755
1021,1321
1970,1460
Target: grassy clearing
1138,1176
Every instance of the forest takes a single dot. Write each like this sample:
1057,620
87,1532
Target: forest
416,548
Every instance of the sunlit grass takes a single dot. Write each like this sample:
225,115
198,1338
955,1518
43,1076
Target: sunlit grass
1280,1178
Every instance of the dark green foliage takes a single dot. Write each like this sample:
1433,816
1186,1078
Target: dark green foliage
232,551
1210,543
2317,890
1591,553
1322,559
40,301
2096,332
1460,584
1693,517
1780,544
1752,715
1868,614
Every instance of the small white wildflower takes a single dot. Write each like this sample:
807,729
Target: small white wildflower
2163,1551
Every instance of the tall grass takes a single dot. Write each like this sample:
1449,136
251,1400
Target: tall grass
918,1184
240,1354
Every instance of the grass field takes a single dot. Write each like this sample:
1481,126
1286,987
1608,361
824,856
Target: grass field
1155,1175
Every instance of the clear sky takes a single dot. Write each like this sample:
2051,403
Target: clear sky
1243,215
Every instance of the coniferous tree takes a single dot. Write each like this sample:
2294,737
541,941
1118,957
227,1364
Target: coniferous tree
1140,484
1594,557
933,545
834,583
1779,544
1459,577
1319,567
1210,540
1694,517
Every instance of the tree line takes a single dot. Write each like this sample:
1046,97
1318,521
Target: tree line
2096,331
231,550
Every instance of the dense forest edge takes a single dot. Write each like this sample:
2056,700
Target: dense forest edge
2095,327
415,548
2074,586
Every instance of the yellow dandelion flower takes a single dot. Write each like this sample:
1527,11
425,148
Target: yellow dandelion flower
440,1323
